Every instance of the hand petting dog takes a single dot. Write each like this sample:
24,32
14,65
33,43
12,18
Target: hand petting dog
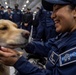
8,56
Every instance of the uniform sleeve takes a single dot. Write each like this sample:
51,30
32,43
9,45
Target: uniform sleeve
26,68
21,16
39,48
30,19
13,16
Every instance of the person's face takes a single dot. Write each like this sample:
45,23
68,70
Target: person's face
63,17
16,7
27,10
9,10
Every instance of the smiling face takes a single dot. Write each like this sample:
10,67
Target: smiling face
64,18
11,36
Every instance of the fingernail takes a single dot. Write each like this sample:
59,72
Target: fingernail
2,47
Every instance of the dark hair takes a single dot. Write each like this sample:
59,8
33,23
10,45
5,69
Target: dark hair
72,6
28,8
37,7
2,7
8,8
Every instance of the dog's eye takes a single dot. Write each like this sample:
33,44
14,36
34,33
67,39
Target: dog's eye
3,28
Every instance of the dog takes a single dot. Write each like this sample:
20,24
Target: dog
11,37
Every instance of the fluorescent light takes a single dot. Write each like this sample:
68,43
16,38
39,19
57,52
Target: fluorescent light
25,5
23,8
35,12
5,2
6,6
27,1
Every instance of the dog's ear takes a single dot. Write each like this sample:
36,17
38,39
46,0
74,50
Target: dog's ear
15,25
12,23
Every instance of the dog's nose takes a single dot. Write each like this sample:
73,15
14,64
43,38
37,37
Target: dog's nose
26,34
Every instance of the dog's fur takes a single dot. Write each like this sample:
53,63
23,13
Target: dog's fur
11,37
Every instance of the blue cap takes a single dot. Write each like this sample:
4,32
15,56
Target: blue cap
48,4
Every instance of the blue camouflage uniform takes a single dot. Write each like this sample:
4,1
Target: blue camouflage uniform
46,27
61,53
1,14
40,28
27,18
17,17
50,31
35,24
7,16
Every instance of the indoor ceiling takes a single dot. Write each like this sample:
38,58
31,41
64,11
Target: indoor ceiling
23,4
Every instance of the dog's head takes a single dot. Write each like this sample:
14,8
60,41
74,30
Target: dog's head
11,36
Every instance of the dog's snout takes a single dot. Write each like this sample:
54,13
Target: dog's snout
26,34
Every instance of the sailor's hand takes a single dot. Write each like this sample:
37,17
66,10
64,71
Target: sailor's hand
8,56
26,24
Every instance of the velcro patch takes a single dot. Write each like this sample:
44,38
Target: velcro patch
53,58
67,57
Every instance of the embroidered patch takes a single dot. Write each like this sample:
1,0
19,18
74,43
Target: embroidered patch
53,58
18,12
67,57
